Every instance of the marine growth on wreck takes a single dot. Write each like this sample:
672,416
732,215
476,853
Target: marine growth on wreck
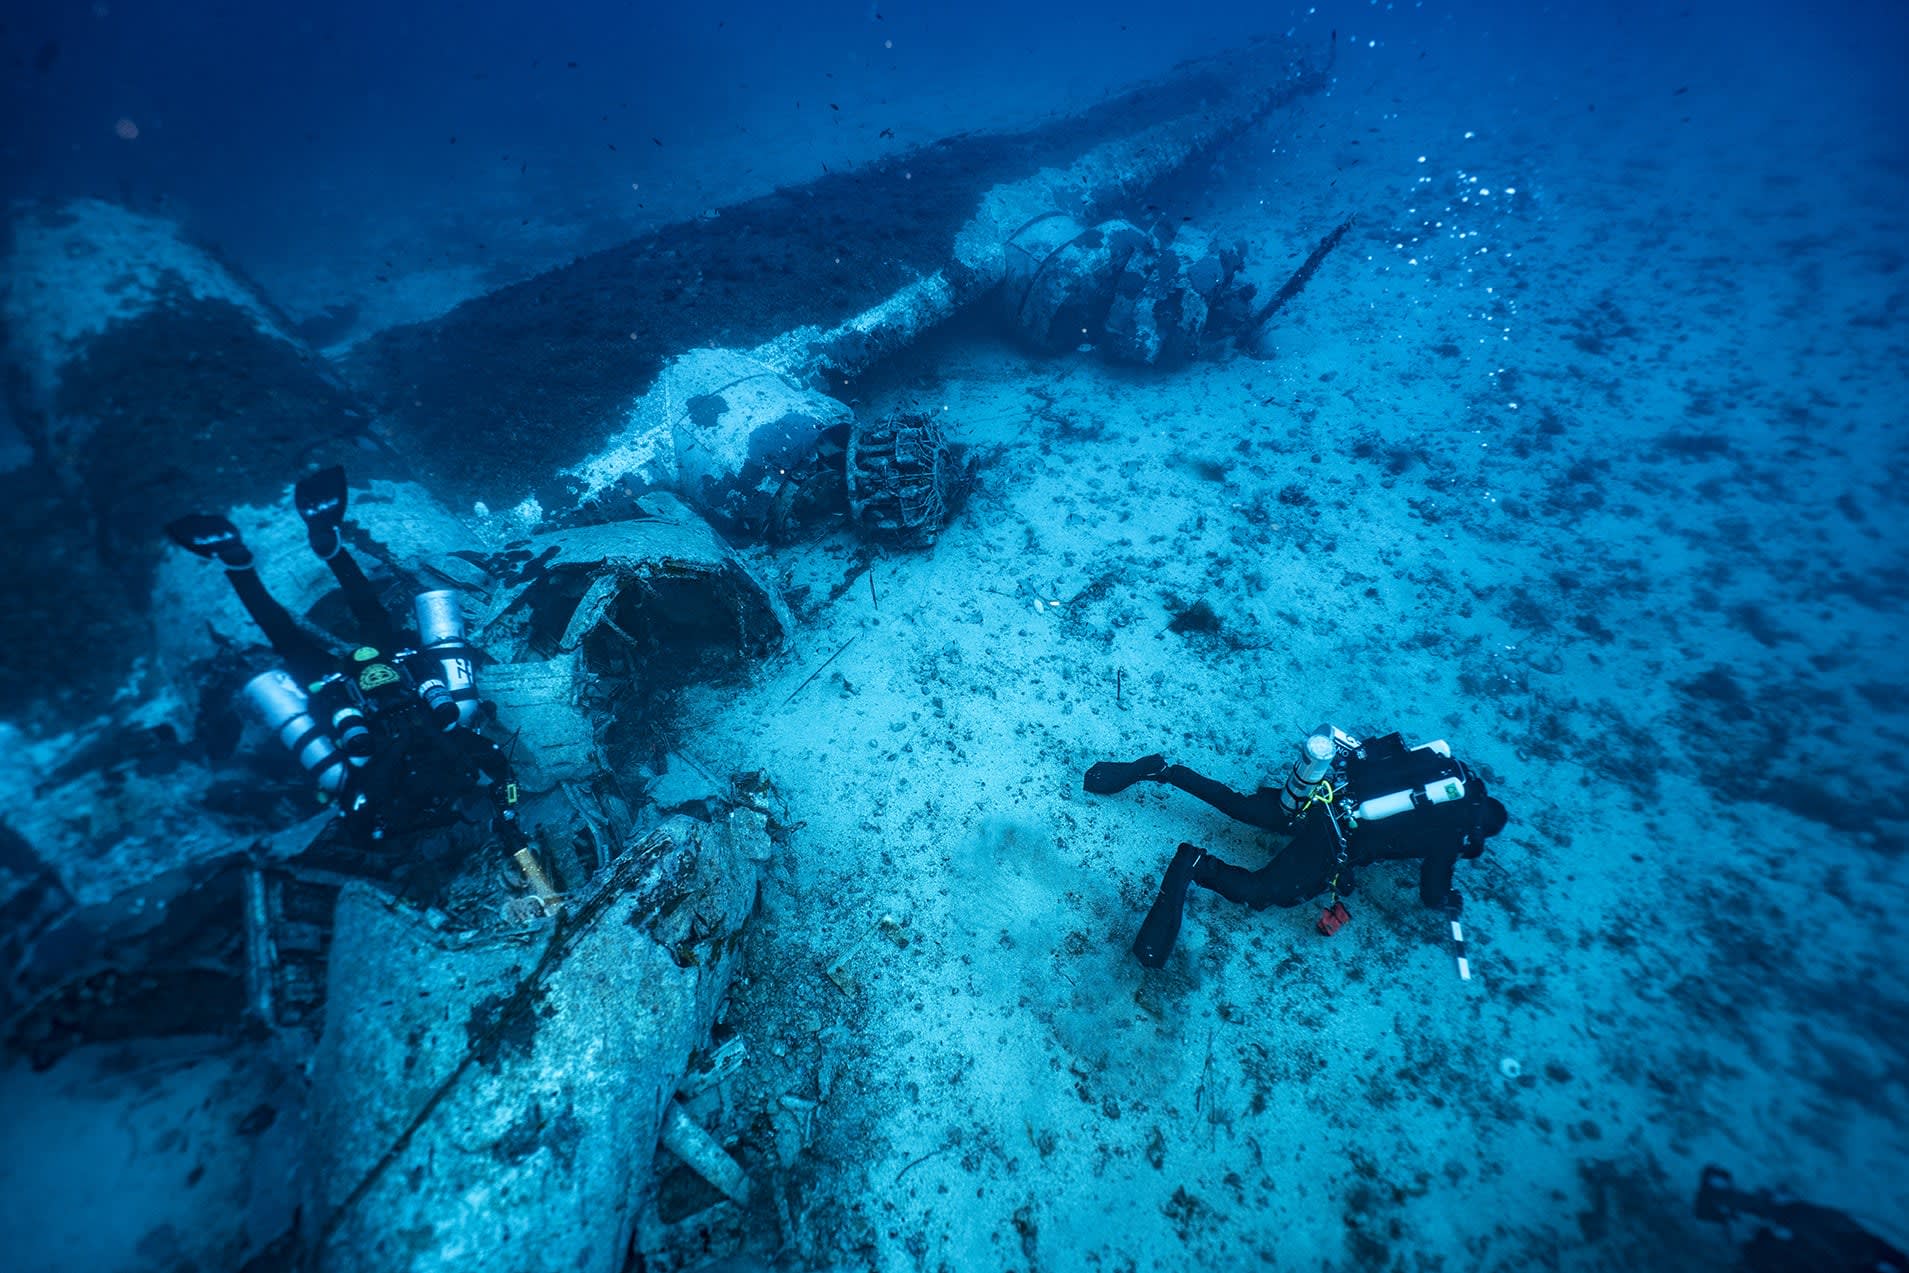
1077,638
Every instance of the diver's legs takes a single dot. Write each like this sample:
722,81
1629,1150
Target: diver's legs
1257,889
1261,809
373,620
1302,869
211,536
305,656
1234,883
1161,929
321,499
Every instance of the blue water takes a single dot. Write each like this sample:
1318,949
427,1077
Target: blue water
1629,277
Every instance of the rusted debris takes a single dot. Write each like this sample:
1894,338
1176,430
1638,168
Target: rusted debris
901,475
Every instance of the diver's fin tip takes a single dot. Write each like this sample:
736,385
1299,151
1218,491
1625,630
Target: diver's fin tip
209,535
321,496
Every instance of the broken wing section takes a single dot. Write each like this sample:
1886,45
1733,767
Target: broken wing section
497,1100
654,585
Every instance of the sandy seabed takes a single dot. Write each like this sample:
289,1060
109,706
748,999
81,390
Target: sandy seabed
1565,457
1579,452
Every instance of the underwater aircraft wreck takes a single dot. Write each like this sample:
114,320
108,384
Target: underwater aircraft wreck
494,1063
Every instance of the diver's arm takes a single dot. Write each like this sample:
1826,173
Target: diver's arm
1435,876
508,826
495,766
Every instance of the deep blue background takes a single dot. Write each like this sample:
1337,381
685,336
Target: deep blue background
252,112
1730,176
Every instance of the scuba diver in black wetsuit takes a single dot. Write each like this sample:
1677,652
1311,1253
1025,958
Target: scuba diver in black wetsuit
1345,804
1793,1236
387,731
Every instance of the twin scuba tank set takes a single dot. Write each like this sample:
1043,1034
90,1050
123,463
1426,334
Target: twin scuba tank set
438,676
1357,782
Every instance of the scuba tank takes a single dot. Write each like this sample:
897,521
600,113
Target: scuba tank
439,701
282,707
393,683
441,638
1432,777
1313,766
349,727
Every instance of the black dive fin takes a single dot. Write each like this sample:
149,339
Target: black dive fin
208,535
321,498
1109,776
1161,929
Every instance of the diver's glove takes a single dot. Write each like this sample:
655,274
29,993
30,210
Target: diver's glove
1109,776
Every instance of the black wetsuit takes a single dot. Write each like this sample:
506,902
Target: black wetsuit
420,775
1438,835
306,657
415,813
1326,847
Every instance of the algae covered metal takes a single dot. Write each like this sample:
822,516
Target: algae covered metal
493,1067
497,1099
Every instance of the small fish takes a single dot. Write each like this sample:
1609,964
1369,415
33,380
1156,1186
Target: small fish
888,132
49,54
657,140
834,107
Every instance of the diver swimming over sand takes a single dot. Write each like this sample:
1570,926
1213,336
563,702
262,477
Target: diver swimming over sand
1345,804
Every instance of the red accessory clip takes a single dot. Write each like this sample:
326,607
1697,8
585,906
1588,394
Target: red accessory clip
1333,918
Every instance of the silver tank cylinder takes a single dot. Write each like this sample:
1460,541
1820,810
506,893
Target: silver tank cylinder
1309,769
282,707
441,634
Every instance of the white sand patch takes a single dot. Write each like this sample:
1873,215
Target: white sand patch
1394,537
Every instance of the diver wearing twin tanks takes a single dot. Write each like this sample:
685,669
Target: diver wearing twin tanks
386,731
1345,804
